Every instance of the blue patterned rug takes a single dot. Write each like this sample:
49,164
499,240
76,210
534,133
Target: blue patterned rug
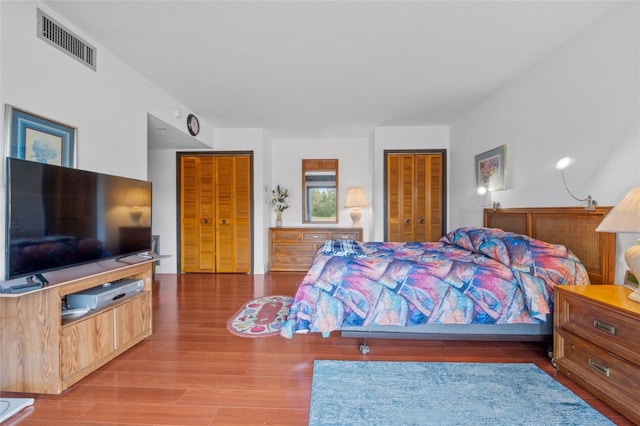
442,393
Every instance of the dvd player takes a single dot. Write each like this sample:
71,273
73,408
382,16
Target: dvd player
97,297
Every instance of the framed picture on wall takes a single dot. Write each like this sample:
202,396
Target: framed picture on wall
35,138
491,169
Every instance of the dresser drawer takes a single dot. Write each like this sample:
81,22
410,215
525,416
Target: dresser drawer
317,237
612,330
285,236
346,235
297,249
612,379
291,262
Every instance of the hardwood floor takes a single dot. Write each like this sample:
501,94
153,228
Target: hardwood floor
192,371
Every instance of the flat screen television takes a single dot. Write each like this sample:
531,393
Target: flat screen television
58,217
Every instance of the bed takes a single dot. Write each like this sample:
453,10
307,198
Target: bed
488,283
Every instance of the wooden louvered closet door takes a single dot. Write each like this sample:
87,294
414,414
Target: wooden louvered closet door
415,196
215,210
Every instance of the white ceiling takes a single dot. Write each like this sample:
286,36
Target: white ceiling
330,68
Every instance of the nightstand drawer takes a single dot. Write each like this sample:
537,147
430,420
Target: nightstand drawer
611,329
613,379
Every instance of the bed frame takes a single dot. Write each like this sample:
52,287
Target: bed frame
573,227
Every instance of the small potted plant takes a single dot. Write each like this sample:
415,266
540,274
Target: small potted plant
279,202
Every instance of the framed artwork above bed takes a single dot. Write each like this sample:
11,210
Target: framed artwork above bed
491,169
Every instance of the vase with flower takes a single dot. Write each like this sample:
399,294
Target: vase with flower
279,202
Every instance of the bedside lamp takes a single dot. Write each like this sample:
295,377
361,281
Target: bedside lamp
355,199
625,218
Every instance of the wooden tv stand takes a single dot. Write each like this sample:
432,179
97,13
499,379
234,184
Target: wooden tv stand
43,352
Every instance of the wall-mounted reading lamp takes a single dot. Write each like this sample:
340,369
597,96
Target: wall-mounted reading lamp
562,164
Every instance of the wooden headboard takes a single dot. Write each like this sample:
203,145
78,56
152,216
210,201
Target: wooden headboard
573,227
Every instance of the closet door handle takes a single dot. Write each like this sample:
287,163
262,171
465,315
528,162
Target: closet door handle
408,221
205,221
421,221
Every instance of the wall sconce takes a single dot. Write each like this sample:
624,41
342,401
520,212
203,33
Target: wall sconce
562,164
355,199
625,218
482,191
136,199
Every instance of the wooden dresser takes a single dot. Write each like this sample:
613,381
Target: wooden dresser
597,343
292,249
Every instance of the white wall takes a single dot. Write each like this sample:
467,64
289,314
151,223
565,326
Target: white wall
109,107
353,170
581,101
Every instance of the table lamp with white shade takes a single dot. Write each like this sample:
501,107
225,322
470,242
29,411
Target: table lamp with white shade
356,199
625,218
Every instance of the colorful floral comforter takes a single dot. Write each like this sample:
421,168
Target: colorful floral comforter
471,276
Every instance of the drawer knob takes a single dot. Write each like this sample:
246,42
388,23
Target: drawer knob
607,328
599,367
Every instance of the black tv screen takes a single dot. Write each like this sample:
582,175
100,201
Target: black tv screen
59,217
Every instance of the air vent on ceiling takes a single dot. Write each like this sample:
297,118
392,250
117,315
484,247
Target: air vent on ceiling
64,40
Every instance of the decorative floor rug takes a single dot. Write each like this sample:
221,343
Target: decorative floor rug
260,317
442,393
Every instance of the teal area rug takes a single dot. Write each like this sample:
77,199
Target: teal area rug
442,393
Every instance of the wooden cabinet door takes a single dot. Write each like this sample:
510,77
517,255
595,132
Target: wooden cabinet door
215,210
133,321
84,344
414,196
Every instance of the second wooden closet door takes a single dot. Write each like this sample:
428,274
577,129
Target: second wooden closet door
215,213
415,196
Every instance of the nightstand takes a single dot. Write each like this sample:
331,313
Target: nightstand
597,343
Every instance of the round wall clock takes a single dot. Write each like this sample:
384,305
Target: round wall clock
193,125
